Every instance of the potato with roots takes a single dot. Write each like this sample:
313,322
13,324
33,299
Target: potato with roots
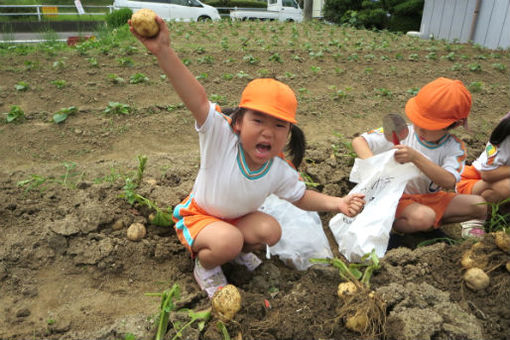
474,257
144,23
502,240
226,302
476,279
346,289
364,312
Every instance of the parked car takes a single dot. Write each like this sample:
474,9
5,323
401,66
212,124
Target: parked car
178,10
282,10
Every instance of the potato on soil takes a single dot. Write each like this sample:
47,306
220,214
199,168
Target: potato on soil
502,240
144,23
476,279
136,232
226,302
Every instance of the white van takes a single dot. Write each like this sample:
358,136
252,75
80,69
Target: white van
178,10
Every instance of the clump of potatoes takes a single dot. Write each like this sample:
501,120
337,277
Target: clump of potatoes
144,23
226,302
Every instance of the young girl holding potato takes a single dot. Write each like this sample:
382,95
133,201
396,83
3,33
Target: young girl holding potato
241,163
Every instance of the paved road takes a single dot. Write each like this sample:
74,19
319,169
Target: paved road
37,37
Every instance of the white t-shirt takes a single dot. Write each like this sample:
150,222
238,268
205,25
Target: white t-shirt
494,156
225,187
449,153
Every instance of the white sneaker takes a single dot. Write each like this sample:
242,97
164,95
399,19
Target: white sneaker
473,228
209,280
249,260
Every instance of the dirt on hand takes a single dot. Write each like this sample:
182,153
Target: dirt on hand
67,267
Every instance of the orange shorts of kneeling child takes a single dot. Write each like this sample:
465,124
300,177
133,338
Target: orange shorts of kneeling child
469,177
437,201
190,219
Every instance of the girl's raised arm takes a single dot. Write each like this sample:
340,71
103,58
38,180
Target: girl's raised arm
185,84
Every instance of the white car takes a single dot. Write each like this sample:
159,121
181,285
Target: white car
178,10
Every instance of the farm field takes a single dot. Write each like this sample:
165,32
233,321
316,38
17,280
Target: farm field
67,269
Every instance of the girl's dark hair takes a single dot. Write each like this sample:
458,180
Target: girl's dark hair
500,132
296,145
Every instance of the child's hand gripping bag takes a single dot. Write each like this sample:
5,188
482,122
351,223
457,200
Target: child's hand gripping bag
382,180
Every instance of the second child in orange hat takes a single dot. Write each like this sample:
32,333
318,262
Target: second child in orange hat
241,164
428,200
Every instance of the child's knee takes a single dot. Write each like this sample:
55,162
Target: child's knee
422,218
270,230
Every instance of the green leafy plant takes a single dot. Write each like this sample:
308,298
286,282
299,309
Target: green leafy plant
62,114
34,182
308,180
499,67
497,221
125,61
59,83
358,273
21,86
161,217
475,86
116,79
138,78
117,108
15,114
168,305
343,148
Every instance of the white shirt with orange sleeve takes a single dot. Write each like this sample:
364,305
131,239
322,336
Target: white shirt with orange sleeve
449,153
493,156
225,187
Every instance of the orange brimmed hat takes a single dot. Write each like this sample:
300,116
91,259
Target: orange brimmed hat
271,97
439,104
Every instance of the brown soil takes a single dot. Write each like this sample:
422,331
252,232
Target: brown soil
67,272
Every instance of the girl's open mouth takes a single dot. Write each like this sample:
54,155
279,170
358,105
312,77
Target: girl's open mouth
263,149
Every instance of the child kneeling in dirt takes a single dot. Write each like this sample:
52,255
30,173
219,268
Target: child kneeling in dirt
241,163
489,175
439,106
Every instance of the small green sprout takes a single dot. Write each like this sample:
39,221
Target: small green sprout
62,114
117,108
21,86
138,78
15,114
59,83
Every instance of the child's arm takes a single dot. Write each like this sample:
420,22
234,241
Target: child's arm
360,146
433,171
350,205
495,175
185,84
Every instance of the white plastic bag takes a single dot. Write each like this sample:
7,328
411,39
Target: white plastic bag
303,237
382,180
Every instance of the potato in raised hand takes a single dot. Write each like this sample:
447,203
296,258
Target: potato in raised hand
144,22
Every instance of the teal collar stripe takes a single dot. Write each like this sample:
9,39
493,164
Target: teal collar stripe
245,170
432,145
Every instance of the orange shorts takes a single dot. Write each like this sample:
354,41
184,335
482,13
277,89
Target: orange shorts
437,201
469,177
190,219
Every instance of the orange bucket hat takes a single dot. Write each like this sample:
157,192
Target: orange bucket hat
271,97
439,104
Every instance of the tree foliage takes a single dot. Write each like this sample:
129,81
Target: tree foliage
396,15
